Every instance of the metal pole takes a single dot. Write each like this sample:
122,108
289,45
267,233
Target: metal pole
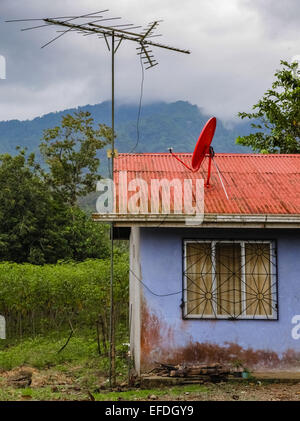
220,177
89,28
209,170
112,370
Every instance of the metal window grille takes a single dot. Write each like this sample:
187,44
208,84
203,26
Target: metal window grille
230,280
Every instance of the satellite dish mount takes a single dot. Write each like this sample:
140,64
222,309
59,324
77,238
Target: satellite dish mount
202,149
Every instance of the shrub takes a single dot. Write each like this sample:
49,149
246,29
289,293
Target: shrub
38,299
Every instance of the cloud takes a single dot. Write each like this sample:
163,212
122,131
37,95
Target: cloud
236,47
278,18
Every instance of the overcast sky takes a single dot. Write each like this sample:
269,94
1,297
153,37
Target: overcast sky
236,46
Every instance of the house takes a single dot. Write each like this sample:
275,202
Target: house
225,288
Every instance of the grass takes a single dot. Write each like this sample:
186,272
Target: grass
144,394
47,393
75,373
78,373
79,359
41,394
43,352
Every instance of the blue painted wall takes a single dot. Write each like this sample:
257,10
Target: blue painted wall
161,269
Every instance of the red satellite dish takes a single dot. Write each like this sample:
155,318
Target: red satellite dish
202,149
203,143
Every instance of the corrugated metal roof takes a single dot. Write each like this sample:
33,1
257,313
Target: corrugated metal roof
255,183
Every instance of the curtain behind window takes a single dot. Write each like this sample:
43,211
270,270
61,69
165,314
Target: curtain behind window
199,278
228,273
258,279
229,279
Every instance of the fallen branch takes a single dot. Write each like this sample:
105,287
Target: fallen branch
68,340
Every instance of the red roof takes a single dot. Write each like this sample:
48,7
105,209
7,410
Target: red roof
255,183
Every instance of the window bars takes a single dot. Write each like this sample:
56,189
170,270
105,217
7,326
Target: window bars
229,280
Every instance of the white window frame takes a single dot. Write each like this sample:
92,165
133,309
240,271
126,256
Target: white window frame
242,316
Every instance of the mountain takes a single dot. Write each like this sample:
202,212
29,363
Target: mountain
161,125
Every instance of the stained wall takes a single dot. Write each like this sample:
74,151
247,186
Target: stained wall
164,336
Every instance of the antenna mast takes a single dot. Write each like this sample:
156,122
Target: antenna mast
95,24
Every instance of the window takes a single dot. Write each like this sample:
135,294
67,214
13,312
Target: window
229,280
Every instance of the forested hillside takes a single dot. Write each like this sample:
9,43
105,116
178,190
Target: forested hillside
161,125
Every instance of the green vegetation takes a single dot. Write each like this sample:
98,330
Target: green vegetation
145,394
277,115
76,373
41,352
162,125
38,299
58,322
57,373
70,152
30,214
36,225
40,221
54,265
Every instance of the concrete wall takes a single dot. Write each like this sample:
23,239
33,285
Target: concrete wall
165,336
135,296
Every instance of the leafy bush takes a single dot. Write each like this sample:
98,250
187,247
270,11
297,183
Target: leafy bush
37,299
36,225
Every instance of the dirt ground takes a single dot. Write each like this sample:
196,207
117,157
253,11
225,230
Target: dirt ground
248,392
27,383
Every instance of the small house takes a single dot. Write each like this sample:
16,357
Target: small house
224,287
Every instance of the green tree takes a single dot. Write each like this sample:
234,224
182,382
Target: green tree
70,152
36,225
277,115
31,215
86,239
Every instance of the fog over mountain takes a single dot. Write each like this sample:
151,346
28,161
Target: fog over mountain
161,125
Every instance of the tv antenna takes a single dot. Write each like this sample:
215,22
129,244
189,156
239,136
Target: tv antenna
202,149
98,24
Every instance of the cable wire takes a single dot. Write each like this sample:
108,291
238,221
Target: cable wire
151,292
140,107
109,168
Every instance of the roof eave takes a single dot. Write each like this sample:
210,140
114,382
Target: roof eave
209,221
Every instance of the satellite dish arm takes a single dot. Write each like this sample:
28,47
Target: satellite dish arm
211,156
183,163
220,177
